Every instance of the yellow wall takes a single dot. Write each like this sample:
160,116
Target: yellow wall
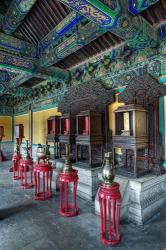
23,119
112,107
6,121
40,124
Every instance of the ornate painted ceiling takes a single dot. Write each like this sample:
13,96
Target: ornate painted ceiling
47,45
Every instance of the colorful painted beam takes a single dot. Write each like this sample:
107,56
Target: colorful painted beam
115,72
19,79
18,92
17,11
137,6
52,74
71,44
137,32
163,31
10,84
54,36
105,15
5,110
17,47
16,64
4,76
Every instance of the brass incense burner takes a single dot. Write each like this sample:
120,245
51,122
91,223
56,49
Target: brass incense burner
40,153
48,154
43,153
108,169
67,165
27,149
17,149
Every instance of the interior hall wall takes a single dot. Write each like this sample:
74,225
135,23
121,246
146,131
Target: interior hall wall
7,142
25,120
112,107
162,123
40,124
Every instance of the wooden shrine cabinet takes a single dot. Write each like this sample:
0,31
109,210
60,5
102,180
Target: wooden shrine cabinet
89,140
131,138
53,132
19,131
67,134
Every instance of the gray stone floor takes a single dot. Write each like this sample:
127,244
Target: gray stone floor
26,224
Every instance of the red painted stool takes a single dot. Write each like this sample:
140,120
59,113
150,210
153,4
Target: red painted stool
68,209
26,173
43,180
110,201
15,166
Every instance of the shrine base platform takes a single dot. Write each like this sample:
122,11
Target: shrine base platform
88,181
142,198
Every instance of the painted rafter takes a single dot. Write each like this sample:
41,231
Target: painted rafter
16,12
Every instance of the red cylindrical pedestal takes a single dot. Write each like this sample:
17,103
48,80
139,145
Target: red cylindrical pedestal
15,166
26,173
43,181
110,201
68,208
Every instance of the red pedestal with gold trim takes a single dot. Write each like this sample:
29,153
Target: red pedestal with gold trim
110,202
26,173
43,180
15,166
68,208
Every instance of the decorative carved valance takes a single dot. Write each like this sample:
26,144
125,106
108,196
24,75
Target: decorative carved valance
142,89
89,96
